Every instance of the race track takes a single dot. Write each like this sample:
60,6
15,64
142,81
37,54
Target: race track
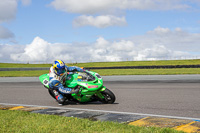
180,98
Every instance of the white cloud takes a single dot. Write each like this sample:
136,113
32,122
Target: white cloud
102,6
99,21
176,39
8,9
36,51
83,6
107,9
41,50
6,50
5,33
26,2
158,44
159,52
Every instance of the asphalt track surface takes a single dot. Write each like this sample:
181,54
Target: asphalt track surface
161,95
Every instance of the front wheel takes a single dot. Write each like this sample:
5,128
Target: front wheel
109,97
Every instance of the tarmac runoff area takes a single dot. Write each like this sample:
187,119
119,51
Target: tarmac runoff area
178,123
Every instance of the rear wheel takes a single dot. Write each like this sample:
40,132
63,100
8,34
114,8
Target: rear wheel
109,97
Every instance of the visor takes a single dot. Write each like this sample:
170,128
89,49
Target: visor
60,71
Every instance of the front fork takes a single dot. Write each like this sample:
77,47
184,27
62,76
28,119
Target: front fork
99,94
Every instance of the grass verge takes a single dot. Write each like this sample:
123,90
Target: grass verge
107,72
20,121
23,73
176,71
109,64
139,63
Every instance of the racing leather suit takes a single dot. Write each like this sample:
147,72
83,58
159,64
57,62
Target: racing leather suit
56,83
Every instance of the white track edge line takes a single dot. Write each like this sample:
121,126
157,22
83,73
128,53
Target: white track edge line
105,111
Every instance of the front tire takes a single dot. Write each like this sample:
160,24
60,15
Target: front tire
51,93
109,97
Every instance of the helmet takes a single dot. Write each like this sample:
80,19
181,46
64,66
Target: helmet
59,67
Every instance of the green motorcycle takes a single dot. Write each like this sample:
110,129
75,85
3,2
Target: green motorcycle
90,86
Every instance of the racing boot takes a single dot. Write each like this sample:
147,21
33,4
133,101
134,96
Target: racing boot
60,99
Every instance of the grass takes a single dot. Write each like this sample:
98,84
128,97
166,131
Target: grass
110,64
18,65
20,121
139,63
22,73
174,71
108,72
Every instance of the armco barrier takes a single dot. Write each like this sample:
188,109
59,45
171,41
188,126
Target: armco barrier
121,67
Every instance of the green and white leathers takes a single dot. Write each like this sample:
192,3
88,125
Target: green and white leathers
90,86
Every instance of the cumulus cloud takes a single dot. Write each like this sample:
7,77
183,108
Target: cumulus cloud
5,33
26,2
176,39
99,21
102,6
8,9
106,9
41,50
159,52
158,44
6,50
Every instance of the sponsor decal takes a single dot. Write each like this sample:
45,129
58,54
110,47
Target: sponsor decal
57,97
79,80
79,77
45,82
93,86
64,91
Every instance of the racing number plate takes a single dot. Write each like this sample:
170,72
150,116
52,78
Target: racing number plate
45,82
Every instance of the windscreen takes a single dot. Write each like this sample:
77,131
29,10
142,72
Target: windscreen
85,76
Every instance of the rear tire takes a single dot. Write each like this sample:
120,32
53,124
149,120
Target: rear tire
109,97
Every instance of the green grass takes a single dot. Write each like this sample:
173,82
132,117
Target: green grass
18,65
107,72
110,64
20,121
110,71
22,73
176,71
139,63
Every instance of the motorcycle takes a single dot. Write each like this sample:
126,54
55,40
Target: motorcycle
90,85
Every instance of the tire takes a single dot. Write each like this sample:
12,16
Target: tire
109,97
51,93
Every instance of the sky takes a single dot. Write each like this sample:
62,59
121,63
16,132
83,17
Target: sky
41,31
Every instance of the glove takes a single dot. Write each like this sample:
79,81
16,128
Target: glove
75,90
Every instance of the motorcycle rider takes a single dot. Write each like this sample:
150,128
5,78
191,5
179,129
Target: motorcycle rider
57,77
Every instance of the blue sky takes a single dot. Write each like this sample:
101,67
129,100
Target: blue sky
113,30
